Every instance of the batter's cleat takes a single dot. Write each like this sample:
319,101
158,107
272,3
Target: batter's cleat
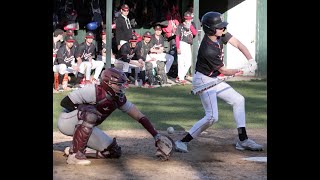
79,160
248,144
181,146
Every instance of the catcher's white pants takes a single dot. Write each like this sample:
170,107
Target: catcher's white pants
98,139
184,59
210,105
168,58
86,67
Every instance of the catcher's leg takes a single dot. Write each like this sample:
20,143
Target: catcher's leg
81,136
104,145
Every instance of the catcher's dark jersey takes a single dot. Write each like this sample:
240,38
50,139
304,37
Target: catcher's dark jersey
84,51
210,55
64,56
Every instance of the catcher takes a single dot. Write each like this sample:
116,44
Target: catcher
85,108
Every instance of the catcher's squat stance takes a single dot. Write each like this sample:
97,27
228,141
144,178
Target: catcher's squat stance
85,108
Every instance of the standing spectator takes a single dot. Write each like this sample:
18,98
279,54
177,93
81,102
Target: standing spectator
184,39
209,65
123,26
65,61
84,55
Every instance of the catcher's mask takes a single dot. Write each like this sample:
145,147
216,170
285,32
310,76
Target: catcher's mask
212,21
115,79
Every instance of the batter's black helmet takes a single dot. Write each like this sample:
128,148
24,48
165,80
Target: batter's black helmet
212,21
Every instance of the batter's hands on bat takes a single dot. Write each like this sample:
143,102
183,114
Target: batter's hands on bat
240,72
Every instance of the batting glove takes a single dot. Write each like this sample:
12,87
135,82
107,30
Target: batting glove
246,70
252,65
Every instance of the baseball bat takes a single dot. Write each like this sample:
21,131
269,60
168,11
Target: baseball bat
200,89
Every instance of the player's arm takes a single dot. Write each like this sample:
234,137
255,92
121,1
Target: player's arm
229,72
137,115
60,57
237,44
79,53
252,64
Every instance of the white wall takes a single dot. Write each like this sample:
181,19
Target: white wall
242,25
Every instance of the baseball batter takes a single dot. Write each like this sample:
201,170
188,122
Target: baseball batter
208,66
85,108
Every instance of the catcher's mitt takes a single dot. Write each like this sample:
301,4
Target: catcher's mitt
164,145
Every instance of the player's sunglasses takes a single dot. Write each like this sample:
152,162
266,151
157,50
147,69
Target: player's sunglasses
125,10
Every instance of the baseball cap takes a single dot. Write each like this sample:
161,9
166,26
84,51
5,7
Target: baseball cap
89,35
69,32
125,7
187,15
70,39
147,34
58,32
157,27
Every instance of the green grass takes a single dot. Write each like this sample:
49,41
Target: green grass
175,106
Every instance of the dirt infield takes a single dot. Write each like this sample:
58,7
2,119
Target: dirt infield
211,156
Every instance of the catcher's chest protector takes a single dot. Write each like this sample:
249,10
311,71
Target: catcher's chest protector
105,103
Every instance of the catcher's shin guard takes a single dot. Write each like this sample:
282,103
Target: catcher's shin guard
80,138
89,115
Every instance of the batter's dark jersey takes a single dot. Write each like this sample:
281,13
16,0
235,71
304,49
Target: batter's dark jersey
210,55
84,51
